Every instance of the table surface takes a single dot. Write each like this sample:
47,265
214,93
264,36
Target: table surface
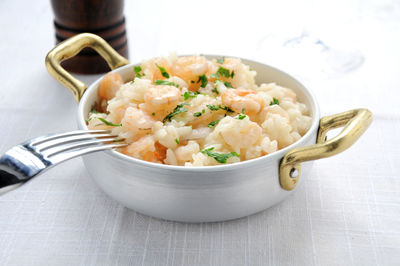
347,212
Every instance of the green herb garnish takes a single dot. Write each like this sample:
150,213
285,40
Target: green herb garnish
153,114
108,123
203,79
177,141
219,157
274,101
216,108
178,109
137,70
197,114
226,108
215,90
212,107
221,60
203,111
165,82
164,73
228,85
241,116
213,123
189,94
232,74
222,72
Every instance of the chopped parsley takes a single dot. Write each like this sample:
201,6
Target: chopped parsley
241,116
226,108
153,114
228,85
232,74
108,123
221,60
192,81
216,108
212,107
177,141
164,73
213,123
189,94
197,114
165,82
274,101
178,109
222,72
203,111
219,157
138,71
215,90
203,79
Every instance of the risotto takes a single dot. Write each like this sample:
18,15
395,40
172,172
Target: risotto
191,111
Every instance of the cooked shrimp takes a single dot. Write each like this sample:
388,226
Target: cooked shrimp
151,68
240,75
162,97
143,149
137,122
245,100
239,133
189,68
109,86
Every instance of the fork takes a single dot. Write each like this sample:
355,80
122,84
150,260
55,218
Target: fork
32,157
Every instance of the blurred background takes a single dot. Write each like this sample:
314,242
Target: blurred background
344,41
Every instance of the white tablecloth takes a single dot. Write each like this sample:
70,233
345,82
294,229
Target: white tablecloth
346,213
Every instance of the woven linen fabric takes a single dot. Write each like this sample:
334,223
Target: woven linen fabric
346,212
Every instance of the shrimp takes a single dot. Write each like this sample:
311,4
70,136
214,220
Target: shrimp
162,97
137,122
189,68
239,133
245,100
151,68
109,86
143,149
240,75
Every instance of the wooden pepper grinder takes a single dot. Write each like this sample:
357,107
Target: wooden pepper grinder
102,17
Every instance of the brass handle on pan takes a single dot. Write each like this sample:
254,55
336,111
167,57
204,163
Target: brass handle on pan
355,122
70,48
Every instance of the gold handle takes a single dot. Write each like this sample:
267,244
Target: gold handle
70,48
355,122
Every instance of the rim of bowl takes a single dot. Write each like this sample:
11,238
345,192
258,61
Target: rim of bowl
211,168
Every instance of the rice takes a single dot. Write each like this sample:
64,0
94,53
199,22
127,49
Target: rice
190,111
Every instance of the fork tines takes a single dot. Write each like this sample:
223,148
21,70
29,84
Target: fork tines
52,145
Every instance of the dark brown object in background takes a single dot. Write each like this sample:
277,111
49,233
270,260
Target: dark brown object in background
102,17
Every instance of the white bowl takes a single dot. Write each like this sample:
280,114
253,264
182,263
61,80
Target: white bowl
197,194
210,193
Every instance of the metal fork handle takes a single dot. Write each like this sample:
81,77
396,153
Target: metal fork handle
18,165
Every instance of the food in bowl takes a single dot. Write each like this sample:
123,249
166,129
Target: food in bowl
191,111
